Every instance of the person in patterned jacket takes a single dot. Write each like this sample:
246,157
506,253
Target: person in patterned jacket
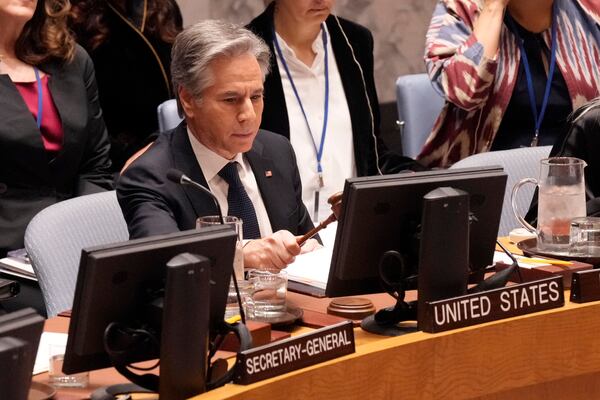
511,72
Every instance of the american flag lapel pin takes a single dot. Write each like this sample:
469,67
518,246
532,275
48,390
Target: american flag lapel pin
268,173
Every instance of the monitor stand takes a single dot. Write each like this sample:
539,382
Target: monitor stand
395,277
185,310
393,321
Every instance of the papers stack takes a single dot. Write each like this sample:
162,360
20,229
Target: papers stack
17,264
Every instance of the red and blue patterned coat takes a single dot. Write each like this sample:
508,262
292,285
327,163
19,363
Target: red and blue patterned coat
478,89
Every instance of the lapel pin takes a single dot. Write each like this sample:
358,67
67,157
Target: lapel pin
268,173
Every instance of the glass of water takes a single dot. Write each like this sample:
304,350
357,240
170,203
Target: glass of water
585,237
55,375
232,308
268,289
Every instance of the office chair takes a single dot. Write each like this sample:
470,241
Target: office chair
518,164
418,107
168,115
55,237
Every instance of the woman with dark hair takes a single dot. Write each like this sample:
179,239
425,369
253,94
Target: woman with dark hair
129,42
321,95
53,141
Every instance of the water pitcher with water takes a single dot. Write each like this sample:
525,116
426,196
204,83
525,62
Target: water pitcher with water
561,197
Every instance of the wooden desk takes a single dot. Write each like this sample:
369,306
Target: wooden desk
549,355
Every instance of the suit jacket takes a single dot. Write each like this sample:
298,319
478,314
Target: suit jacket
275,117
29,179
154,205
583,141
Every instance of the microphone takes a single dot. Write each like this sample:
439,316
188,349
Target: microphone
175,175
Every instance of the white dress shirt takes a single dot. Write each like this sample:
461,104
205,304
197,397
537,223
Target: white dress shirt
338,151
211,163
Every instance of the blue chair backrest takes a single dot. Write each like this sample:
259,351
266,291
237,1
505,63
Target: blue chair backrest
518,164
418,107
168,115
56,235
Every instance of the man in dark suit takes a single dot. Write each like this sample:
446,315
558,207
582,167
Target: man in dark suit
218,70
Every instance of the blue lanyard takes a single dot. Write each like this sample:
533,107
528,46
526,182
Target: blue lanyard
538,118
319,150
40,97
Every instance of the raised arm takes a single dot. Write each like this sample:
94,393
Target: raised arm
461,49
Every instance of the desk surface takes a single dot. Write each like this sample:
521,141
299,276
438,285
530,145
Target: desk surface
548,355
553,354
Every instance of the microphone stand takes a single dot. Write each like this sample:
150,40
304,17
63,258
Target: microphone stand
179,177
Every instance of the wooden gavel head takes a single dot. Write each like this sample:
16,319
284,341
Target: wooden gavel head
335,201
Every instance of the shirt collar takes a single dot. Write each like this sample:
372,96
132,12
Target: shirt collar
210,162
317,47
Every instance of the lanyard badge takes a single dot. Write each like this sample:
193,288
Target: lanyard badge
538,117
320,148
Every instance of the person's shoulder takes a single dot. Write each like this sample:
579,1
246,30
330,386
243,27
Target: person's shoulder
351,29
157,157
81,63
588,117
81,56
268,138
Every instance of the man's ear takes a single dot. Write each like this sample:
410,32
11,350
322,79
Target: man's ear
186,99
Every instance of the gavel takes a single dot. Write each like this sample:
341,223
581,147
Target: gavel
335,201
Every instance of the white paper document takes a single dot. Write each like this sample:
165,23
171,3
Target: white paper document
311,268
499,256
17,264
42,359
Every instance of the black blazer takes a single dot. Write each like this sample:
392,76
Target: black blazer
154,205
132,69
583,141
275,117
29,179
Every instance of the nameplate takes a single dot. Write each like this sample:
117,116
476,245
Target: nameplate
294,353
585,286
493,305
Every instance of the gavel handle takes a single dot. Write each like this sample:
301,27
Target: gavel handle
315,230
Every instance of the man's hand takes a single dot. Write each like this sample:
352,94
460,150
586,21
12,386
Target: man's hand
275,251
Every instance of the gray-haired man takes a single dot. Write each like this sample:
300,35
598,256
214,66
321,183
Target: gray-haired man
218,70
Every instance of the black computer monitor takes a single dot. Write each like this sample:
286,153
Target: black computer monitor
123,286
19,339
383,213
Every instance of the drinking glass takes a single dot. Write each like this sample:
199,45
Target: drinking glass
232,308
268,289
585,237
55,375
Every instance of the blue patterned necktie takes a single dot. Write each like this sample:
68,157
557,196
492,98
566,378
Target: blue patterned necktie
238,201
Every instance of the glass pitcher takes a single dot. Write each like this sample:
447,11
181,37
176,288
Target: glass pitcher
561,197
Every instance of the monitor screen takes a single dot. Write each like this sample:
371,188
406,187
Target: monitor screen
382,213
116,282
20,335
